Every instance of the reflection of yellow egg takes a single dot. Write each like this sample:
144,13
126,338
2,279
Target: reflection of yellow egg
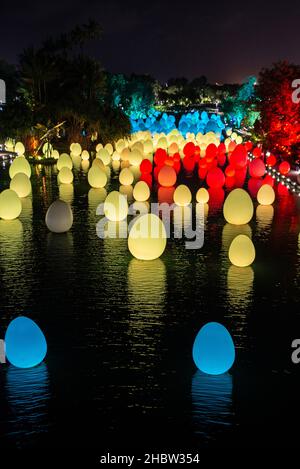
202,195
115,206
85,155
10,205
242,251
126,177
238,207
75,149
141,191
182,195
21,184
65,176
266,195
64,161
147,238
97,177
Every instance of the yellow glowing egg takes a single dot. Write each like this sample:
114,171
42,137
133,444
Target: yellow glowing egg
173,148
104,156
239,140
65,175
138,146
55,154
21,184
116,166
59,217
126,177
19,165
182,195
85,166
135,157
19,148
120,145
85,155
162,143
148,146
141,191
147,238
202,195
75,149
116,156
98,147
109,148
97,177
64,161
99,163
115,206
266,195
125,153
238,207
9,144
242,251
10,205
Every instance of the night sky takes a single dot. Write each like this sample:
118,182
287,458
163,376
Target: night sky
226,41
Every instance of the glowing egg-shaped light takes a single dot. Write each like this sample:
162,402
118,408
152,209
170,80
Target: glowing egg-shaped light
238,207
126,177
19,165
284,168
135,157
147,238
257,168
146,166
215,178
109,148
98,147
202,195
167,176
125,154
65,175
59,217
266,195
64,161
97,177
75,149
85,155
141,191
19,148
104,156
10,205
148,146
213,349
182,195
116,206
55,154
25,344
242,251
120,145
21,184
239,156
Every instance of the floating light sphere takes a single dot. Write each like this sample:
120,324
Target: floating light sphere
97,177
213,349
19,148
10,205
25,344
147,238
126,177
202,195
75,149
182,195
271,160
21,184
65,176
104,156
85,155
64,161
242,251
59,217
19,165
109,148
238,207
257,168
115,206
141,191
284,168
167,176
266,195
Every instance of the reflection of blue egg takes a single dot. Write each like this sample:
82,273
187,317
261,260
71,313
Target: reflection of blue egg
213,349
25,344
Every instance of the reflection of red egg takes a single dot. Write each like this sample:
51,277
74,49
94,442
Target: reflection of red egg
189,149
269,180
202,173
165,194
188,163
147,177
167,176
215,178
146,166
271,160
216,197
284,168
239,157
257,152
230,171
254,184
257,168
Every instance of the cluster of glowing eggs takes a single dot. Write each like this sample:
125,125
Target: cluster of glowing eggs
64,161
97,177
167,176
21,184
141,191
242,251
10,205
126,177
202,195
182,195
116,206
19,148
59,217
65,176
238,207
147,238
266,195
75,149
19,165
25,344
213,349
85,156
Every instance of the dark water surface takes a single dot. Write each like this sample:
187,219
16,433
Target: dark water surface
119,371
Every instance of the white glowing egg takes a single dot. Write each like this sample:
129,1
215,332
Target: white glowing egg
182,195
104,156
85,155
59,217
19,148
109,148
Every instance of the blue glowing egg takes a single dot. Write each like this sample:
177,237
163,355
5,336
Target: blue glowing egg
213,349
25,344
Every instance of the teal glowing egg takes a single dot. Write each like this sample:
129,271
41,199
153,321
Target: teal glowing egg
25,344
213,349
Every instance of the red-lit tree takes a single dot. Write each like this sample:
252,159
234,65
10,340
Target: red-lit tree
279,116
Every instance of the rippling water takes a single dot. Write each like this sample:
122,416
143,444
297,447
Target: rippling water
119,370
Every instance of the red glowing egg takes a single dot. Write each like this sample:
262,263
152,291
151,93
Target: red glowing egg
177,166
222,148
167,176
240,176
230,171
165,195
188,163
282,190
202,172
221,159
197,150
239,157
257,152
248,145
147,178
215,178
169,161
254,184
269,180
271,160
146,166
216,198
257,168
232,145
229,182
284,168
176,157
189,149
156,171
160,156
211,151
